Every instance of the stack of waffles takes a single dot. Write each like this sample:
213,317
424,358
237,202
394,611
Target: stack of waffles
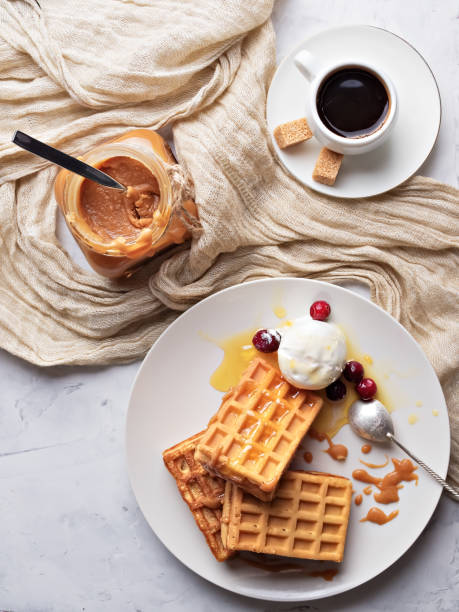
234,476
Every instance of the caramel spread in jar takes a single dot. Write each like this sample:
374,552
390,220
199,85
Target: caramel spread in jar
116,230
111,213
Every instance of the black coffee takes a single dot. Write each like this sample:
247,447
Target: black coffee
352,102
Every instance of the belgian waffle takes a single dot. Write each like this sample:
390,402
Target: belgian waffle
202,491
307,519
257,429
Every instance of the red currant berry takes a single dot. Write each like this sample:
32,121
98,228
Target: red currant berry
320,311
367,388
353,371
266,340
336,391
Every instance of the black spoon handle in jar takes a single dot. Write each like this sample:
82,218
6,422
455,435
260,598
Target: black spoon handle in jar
65,161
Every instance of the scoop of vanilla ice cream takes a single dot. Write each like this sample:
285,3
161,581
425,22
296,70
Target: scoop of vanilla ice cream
312,354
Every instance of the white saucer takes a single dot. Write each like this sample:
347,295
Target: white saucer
417,125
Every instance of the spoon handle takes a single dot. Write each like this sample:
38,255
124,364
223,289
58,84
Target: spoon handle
451,490
65,161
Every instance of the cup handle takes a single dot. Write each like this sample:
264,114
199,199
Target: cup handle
307,64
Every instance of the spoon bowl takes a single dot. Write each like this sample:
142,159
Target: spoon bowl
371,420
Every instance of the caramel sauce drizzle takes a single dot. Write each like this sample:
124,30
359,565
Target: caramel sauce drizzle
375,515
368,490
327,574
388,485
366,448
307,457
275,567
358,499
208,502
376,465
338,452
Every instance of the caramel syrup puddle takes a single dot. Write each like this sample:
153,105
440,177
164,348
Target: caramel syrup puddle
376,465
275,567
238,352
278,305
366,448
280,312
358,500
307,457
368,490
338,452
334,415
376,515
390,483
326,574
354,352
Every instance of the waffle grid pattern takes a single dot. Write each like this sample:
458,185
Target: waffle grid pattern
203,492
307,519
257,429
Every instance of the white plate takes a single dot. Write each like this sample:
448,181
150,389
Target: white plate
172,399
417,124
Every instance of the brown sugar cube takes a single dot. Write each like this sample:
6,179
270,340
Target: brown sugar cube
327,166
292,133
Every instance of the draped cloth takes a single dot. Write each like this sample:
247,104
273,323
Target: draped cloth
76,74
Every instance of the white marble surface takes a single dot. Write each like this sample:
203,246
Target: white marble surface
72,537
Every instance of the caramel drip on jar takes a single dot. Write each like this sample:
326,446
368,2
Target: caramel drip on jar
388,485
376,465
376,515
366,448
338,452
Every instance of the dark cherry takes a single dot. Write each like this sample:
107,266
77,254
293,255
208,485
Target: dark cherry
336,391
320,311
266,340
367,388
353,371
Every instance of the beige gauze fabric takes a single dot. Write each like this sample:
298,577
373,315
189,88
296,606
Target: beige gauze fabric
77,77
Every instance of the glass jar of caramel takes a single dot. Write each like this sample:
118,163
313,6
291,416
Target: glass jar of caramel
118,230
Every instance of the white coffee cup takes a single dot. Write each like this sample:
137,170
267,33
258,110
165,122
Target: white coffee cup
316,72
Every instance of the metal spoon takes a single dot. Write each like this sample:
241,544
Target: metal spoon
65,161
372,421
